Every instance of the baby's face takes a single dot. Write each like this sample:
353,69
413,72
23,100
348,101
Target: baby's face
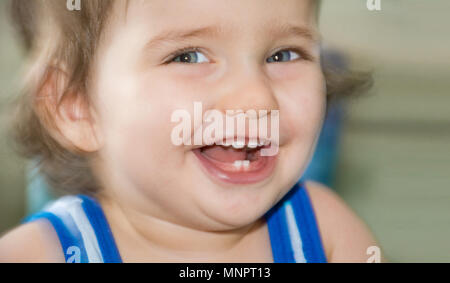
163,56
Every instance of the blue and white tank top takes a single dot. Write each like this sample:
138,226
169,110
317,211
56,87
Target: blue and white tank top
86,237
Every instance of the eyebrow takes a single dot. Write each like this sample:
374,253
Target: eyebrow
276,30
287,30
179,35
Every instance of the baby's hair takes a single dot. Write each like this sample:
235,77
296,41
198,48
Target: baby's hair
54,36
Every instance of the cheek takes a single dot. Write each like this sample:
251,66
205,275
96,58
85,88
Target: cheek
302,104
302,108
137,128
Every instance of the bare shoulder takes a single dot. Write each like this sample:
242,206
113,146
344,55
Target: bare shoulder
31,242
345,236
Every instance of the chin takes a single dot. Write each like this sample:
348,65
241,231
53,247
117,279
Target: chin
231,205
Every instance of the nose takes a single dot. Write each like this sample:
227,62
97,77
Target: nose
247,90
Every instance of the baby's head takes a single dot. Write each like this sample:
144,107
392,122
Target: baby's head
105,82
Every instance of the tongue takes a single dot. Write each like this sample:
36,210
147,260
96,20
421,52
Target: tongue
226,155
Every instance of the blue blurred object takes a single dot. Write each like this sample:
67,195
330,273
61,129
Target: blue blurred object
323,164
38,191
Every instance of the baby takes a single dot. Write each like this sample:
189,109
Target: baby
99,111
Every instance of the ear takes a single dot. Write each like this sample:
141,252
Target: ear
77,124
72,120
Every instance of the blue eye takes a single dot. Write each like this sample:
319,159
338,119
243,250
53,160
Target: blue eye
283,56
191,57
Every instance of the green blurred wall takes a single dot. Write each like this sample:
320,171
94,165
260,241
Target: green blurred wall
11,168
394,165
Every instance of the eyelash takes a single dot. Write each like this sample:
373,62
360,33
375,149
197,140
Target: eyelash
304,55
181,52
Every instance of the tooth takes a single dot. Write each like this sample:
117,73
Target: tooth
252,144
238,145
225,143
237,164
246,164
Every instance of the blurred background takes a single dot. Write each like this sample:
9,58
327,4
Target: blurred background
391,161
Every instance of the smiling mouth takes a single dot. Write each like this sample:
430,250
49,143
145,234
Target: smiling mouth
237,163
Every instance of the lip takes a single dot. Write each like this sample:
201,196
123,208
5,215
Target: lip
257,171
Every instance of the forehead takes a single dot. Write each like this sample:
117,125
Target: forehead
228,15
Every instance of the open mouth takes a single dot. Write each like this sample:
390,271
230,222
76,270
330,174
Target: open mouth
237,163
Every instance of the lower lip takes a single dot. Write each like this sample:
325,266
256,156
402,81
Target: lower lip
258,171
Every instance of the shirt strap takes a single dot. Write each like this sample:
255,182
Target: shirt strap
293,229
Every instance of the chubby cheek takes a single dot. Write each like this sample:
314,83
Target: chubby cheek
137,131
302,107
300,92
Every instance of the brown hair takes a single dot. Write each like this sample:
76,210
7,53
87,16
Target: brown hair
73,39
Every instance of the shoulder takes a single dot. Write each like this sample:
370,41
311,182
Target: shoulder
345,236
31,242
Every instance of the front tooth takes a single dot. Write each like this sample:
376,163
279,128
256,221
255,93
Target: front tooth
225,143
252,144
238,145
238,164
